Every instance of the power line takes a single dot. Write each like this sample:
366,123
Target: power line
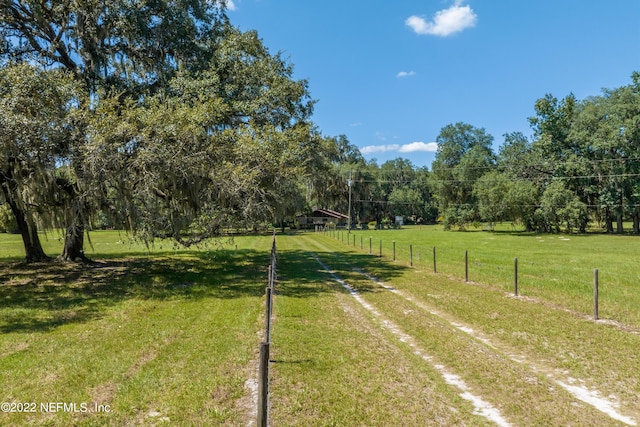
501,205
582,162
549,177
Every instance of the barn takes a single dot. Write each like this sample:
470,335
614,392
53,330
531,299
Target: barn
321,217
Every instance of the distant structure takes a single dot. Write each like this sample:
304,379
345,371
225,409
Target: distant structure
320,217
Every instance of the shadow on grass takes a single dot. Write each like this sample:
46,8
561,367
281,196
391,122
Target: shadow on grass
302,273
40,297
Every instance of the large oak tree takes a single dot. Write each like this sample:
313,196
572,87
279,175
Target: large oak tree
190,123
37,121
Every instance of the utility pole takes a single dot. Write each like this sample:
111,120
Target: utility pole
349,220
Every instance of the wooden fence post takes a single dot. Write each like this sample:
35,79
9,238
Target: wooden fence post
263,385
380,248
394,250
410,255
268,309
370,250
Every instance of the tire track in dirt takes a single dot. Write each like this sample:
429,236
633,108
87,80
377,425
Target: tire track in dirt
608,407
482,407
590,397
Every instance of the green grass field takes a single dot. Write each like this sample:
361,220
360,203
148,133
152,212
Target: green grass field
556,268
159,336
170,337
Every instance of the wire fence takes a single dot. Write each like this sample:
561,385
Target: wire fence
265,346
565,284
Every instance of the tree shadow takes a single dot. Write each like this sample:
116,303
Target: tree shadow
44,296
302,274
40,297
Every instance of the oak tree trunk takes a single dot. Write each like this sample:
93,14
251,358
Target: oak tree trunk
74,243
28,230
609,220
73,250
619,218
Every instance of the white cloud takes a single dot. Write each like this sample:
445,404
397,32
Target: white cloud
405,148
370,149
445,22
431,147
402,74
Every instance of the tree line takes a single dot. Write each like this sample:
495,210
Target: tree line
580,167
164,119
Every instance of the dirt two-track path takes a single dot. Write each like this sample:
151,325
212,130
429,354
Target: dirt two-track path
505,385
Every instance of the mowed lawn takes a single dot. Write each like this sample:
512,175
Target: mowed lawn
143,337
409,347
171,337
558,269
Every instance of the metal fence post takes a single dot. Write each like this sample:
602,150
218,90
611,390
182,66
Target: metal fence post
434,260
515,276
466,266
595,294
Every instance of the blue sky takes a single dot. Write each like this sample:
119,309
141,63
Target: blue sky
389,75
